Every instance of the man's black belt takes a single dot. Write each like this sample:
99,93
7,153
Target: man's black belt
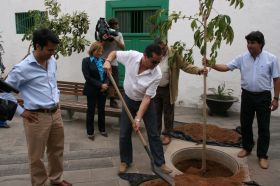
256,93
45,110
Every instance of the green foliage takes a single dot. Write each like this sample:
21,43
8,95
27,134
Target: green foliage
221,92
71,28
211,32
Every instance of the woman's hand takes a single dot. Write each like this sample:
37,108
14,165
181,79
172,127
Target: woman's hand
104,87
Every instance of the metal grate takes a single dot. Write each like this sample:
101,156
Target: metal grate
134,21
24,21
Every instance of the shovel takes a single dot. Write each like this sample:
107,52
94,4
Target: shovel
155,169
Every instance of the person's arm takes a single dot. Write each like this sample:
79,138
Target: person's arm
218,67
120,42
275,100
141,111
107,64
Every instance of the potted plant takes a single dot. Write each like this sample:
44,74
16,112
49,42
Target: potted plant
220,100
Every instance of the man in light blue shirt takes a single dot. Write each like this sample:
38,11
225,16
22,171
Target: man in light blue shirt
259,70
35,78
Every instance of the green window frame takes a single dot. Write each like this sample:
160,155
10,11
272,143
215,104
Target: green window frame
25,21
134,21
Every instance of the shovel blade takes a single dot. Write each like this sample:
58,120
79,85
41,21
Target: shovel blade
166,177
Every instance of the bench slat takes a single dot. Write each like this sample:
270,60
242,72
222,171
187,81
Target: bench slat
76,89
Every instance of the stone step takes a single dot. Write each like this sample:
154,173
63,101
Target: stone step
72,155
75,160
69,165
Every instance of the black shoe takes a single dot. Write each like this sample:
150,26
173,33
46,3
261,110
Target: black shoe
104,134
5,126
114,103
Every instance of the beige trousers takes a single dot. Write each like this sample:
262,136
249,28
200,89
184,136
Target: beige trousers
46,134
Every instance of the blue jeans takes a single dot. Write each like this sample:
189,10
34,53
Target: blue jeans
151,127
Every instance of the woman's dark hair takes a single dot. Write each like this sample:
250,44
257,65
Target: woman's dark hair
256,36
42,36
153,48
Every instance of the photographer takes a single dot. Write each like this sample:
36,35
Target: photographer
111,43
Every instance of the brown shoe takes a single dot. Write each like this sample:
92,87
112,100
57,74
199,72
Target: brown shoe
91,137
123,167
263,163
165,169
165,140
63,183
105,134
243,153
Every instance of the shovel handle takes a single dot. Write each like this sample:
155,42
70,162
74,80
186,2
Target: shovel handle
126,108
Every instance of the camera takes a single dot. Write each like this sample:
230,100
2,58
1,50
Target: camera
7,107
102,29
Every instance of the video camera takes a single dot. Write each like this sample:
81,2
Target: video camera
7,107
102,28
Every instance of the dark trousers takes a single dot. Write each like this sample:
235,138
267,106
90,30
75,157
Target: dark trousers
100,100
258,103
112,91
151,127
163,106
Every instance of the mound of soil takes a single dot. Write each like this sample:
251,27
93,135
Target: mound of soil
216,174
194,177
213,132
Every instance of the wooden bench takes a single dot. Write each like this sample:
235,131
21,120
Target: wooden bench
76,104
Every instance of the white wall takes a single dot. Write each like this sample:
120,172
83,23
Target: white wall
255,15
69,68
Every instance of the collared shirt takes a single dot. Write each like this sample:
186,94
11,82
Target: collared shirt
136,86
164,67
99,64
256,75
37,86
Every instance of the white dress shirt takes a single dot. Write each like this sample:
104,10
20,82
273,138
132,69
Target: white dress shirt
136,86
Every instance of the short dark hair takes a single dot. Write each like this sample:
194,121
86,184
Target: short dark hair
256,36
113,21
42,36
153,48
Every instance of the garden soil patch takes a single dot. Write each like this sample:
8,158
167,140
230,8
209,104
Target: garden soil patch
213,133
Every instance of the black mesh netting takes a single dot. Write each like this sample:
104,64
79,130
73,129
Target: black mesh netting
183,136
136,179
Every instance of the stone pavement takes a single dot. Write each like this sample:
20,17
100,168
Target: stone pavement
95,163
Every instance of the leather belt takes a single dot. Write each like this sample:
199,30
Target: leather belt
256,93
45,110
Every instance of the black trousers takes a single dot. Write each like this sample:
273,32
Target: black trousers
92,100
259,104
